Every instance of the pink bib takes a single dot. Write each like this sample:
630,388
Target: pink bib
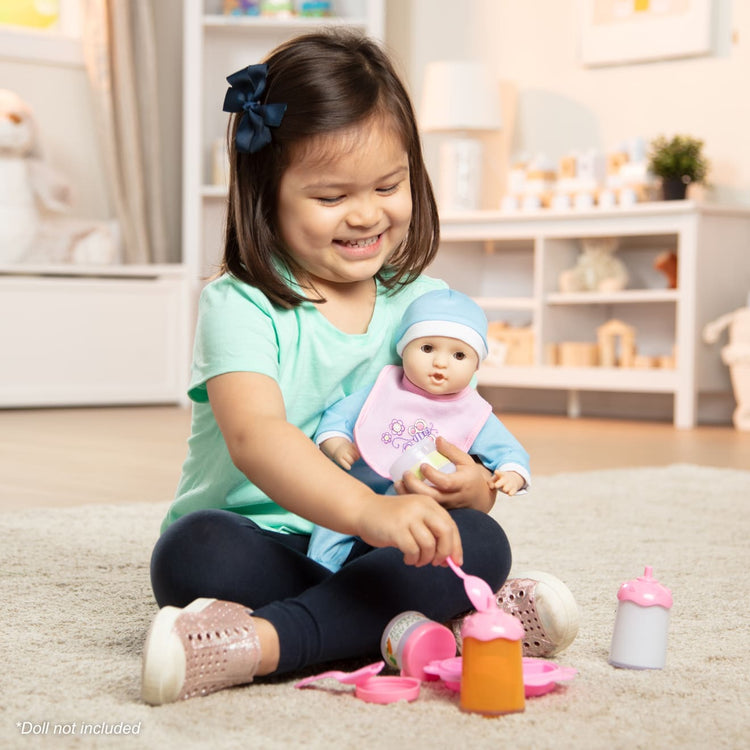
397,415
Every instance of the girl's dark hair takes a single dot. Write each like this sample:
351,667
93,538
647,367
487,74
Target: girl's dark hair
329,81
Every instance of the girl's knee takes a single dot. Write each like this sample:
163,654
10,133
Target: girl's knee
178,552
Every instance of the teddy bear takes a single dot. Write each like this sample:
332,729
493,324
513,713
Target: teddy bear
596,269
27,185
736,354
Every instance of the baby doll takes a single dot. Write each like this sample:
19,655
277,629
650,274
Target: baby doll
442,339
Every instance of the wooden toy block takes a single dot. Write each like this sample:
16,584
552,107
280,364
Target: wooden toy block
519,342
608,336
578,354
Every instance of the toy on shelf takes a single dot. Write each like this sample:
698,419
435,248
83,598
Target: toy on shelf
277,8
582,179
576,354
628,177
737,356
315,8
596,268
510,345
605,352
579,178
531,184
27,184
242,7
666,263
608,335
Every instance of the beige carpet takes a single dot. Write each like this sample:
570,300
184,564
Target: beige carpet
76,605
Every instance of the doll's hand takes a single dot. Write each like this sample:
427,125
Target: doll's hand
468,487
418,526
340,450
508,482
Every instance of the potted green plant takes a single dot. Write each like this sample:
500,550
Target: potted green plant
678,161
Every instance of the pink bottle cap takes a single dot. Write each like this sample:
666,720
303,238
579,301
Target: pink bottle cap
645,591
486,626
429,642
388,689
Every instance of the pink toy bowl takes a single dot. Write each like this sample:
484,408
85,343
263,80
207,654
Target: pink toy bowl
388,689
368,686
539,675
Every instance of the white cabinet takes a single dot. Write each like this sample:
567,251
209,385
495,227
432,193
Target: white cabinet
216,46
511,264
71,336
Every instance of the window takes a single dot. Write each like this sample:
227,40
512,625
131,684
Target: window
45,31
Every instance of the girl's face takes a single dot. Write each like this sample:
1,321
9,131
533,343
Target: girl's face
345,203
439,364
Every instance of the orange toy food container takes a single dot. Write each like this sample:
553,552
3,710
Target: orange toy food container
492,666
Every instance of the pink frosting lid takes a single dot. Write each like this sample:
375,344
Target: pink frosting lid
645,591
491,624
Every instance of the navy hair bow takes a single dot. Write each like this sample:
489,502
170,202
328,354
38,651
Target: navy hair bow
247,85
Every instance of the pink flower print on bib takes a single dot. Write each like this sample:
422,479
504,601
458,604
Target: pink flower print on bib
397,415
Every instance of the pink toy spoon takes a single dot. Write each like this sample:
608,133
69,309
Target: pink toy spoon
479,592
358,677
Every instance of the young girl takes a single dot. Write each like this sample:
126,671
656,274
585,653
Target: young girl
331,222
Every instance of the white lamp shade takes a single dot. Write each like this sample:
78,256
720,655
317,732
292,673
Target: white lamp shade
460,96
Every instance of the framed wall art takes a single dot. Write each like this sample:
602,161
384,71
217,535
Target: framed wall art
615,32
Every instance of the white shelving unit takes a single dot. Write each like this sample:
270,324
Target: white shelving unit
511,264
215,46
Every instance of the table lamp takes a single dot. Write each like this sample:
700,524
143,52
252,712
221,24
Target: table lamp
461,99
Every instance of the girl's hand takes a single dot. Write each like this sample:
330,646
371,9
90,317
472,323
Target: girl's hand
421,528
341,450
508,482
468,487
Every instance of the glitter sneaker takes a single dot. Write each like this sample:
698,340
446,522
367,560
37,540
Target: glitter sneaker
207,646
545,607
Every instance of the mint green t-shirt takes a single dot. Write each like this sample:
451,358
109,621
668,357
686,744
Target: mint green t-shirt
314,363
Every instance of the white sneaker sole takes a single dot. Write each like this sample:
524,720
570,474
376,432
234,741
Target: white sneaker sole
163,670
557,609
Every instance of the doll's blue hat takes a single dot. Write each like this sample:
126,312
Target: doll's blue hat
444,312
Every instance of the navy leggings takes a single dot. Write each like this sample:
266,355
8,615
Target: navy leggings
319,615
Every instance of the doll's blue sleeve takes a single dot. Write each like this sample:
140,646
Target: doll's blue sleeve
497,448
338,420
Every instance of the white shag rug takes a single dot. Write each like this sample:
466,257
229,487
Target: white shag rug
77,603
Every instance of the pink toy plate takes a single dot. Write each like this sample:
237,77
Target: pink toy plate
369,687
539,675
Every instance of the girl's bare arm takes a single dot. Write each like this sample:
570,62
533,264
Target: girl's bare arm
285,464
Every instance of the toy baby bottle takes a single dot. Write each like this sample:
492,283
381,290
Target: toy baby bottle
639,640
492,664
423,452
411,641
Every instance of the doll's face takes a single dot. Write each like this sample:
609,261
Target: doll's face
439,365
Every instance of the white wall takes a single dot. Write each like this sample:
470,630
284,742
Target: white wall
562,105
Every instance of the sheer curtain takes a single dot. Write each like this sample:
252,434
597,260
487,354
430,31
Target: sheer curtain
120,54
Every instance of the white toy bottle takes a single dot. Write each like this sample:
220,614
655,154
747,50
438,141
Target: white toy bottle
639,640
